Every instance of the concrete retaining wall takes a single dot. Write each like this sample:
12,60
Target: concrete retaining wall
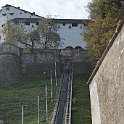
107,86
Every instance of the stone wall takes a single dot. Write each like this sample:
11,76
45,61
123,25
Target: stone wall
38,65
10,65
16,65
107,86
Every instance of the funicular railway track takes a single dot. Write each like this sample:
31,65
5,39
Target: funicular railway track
63,112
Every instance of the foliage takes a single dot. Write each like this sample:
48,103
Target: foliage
14,32
34,38
48,33
44,36
81,111
104,15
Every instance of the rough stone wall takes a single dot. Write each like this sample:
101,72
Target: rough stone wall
15,64
34,65
10,69
38,65
108,86
81,65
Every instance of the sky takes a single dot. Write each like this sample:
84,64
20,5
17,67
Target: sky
66,9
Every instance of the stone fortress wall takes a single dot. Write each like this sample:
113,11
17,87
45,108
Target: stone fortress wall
16,65
107,83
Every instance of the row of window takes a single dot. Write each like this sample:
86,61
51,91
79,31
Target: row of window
73,24
28,23
70,26
9,13
7,8
37,23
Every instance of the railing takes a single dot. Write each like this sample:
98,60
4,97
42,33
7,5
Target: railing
62,112
69,103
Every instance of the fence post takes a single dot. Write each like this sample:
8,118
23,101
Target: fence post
23,113
51,81
38,108
46,107
55,74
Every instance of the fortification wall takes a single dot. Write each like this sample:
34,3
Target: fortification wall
10,69
16,65
38,65
107,86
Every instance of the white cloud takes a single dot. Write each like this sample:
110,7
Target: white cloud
62,8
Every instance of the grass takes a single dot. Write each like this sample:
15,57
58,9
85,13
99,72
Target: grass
12,97
81,103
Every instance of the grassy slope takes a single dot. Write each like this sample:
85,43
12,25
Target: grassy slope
81,103
12,97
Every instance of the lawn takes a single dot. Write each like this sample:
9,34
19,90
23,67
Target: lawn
81,103
12,97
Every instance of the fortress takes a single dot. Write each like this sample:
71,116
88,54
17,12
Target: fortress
70,30
15,64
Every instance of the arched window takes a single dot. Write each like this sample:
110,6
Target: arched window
78,47
69,47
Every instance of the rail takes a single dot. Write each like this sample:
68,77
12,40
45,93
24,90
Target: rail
62,112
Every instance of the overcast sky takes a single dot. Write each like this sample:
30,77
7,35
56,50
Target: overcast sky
70,9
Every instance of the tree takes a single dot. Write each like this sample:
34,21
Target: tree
14,33
104,15
44,36
34,38
48,33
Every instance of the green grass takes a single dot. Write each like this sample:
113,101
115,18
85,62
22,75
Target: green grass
81,103
12,97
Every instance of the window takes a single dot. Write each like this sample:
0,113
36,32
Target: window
63,24
81,27
3,14
27,23
20,13
74,24
37,23
32,26
3,25
11,13
69,26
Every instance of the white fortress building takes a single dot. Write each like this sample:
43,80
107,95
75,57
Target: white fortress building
70,30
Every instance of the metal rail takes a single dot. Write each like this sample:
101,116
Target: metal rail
63,107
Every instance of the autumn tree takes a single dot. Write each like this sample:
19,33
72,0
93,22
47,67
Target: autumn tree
14,33
104,16
44,36
34,39
48,33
